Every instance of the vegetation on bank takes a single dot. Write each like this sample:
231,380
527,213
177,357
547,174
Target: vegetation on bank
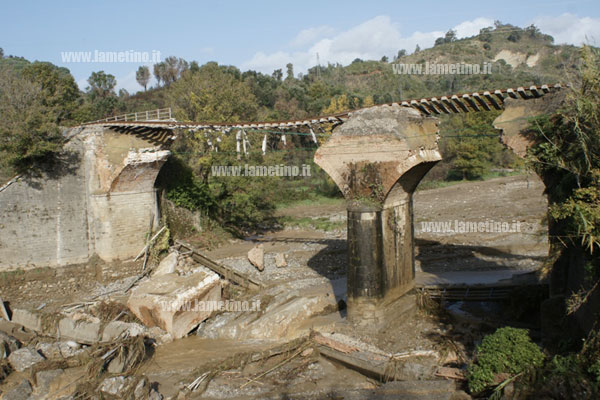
566,154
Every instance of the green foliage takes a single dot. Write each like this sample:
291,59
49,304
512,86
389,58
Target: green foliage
567,155
506,351
29,133
567,376
183,188
470,146
212,94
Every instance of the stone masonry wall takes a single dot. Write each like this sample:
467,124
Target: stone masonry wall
99,200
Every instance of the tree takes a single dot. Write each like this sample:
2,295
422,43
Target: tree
102,99
102,84
401,53
212,94
1,52
277,74
289,71
533,31
159,72
142,76
485,34
174,67
450,36
59,91
384,59
515,36
29,134
417,49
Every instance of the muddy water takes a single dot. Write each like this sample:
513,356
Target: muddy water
173,363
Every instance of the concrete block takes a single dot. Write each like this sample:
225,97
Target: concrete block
115,329
176,303
79,331
28,319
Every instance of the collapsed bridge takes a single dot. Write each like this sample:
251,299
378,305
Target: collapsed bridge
101,198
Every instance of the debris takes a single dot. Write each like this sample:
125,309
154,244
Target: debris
175,303
122,357
224,271
8,344
256,256
21,392
43,379
28,319
117,329
168,264
143,251
24,358
335,345
80,331
307,352
450,373
115,385
59,350
280,260
297,353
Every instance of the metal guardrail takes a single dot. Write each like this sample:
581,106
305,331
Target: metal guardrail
161,114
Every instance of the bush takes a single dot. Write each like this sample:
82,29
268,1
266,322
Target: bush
507,351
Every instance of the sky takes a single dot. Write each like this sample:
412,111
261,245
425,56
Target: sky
265,35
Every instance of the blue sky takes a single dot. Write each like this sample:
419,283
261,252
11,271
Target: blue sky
264,35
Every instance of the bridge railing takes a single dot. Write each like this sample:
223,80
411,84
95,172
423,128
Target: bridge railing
161,114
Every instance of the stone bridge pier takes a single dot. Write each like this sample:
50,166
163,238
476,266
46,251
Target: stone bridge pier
377,158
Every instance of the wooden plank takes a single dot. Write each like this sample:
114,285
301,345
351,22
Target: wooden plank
226,272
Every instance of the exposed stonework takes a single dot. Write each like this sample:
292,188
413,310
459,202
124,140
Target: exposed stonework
79,207
377,159
517,116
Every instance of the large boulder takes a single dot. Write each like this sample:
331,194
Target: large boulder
293,310
256,256
176,303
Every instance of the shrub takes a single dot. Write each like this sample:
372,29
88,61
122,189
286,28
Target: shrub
507,351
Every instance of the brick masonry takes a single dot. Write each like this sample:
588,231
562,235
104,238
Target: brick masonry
99,199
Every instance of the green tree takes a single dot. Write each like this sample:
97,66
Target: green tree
60,93
29,134
277,74
212,94
102,85
289,72
142,76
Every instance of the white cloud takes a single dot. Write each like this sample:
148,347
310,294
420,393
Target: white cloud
369,40
310,35
568,28
472,28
